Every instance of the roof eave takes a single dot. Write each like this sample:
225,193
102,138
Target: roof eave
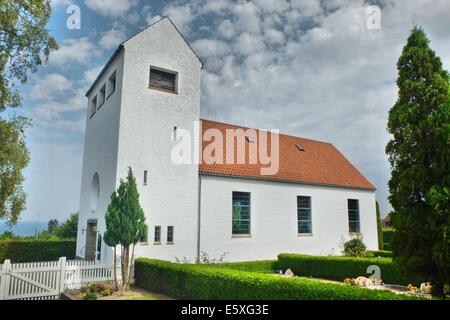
207,173
111,59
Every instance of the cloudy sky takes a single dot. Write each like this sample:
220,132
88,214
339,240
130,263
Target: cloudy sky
307,67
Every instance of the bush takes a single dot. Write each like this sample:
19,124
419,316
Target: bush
187,281
261,266
354,248
36,250
340,268
90,296
388,235
381,253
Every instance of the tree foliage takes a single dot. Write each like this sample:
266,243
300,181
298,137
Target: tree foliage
125,222
419,156
14,157
25,44
67,230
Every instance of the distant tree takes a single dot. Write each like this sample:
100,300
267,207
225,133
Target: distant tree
125,223
8,235
379,229
68,229
24,45
419,154
53,226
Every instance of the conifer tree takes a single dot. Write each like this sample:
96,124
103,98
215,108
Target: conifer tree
419,156
125,223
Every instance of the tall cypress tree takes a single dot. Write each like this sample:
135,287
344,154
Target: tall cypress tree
419,156
125,223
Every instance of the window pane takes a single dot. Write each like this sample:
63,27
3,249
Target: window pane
304,214
353,215
304,227
241,213
170,234
162,79
157,234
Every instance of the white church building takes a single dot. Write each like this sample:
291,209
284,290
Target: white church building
142,107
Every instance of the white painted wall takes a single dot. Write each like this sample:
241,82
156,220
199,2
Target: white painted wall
145,141
100,153
274,218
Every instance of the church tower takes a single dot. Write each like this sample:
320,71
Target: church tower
149,89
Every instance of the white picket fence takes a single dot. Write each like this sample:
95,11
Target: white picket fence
47,280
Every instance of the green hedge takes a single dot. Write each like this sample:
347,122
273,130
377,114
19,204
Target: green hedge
339,268
184,281
261,266
388,234
36,250
381,253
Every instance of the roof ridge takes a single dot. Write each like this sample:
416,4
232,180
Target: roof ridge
281,134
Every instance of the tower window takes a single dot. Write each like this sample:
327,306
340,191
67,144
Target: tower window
112,84
102,96
93,106
163,80
145,177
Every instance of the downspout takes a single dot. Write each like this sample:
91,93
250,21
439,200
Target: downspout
199,215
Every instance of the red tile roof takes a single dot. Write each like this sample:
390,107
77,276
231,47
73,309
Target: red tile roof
320,163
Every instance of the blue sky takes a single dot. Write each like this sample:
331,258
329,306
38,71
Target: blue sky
307,67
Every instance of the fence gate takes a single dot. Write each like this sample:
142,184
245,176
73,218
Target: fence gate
47,280
36,280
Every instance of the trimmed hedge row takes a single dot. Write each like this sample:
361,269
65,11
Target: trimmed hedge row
340,268
381,253
36,250
261,266
184,281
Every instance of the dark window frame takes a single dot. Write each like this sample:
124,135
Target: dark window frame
354,225
170,234
302,208
162,81
112,80
241,214
157,235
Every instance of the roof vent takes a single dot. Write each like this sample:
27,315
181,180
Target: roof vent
299,147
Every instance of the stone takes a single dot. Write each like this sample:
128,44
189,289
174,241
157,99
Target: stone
288,273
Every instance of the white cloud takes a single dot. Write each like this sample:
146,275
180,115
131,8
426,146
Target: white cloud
152,19
49,85
181,15
112,38
79,51
210,47
90,75
110,8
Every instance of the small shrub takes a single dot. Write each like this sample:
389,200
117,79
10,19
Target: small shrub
106,292
355,248
90,296
93,287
